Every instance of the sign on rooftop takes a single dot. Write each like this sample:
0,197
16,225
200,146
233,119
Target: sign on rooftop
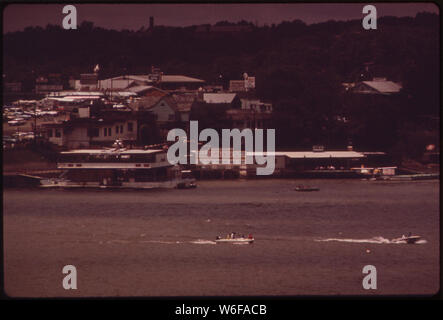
237,85
88,78
250,83
242,85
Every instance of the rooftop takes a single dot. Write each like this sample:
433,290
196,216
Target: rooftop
138,89
75,94
184,101
115,83
146,78
147,102
312,154
218,97
112,151
179,78
384,86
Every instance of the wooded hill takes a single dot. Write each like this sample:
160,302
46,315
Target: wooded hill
299,68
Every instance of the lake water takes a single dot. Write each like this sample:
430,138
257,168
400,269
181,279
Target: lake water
160,242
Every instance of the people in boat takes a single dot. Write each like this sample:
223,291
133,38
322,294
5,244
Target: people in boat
250,236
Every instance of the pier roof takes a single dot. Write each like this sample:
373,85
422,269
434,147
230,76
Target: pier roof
112,150
324,154
312,154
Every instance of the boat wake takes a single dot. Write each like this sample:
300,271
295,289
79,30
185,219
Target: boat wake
200,241
377,240
118,241
160,241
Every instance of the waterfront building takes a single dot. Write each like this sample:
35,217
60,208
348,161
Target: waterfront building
87,132
116,167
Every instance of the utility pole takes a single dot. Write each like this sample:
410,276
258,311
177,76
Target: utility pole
35,123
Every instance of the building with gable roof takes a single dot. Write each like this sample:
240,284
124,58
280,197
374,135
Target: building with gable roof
376,86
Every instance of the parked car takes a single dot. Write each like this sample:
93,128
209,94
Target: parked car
16,122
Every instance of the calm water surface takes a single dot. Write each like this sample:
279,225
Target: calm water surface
160,242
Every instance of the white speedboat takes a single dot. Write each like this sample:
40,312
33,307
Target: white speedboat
233,238
407,239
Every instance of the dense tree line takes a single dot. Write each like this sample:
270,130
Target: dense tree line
298,67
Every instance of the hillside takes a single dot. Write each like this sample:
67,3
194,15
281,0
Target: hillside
298,67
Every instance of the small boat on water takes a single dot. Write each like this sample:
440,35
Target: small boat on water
407,239
306,188
187,185
235,238
188,180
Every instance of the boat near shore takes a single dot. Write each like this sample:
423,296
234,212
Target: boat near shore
117,167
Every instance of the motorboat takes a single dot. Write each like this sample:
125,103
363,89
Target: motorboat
235,238
407,239
306,188
188,180
187,185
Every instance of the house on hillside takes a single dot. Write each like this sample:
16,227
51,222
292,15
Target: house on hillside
169,111
375,86
174,107
89,132
239,111
252,114
184,102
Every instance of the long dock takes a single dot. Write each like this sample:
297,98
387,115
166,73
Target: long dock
14,180
410,177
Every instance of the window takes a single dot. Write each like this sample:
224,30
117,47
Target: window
130,126
107,131
171,117
58,133
93,132
116,129
121,128
50,133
